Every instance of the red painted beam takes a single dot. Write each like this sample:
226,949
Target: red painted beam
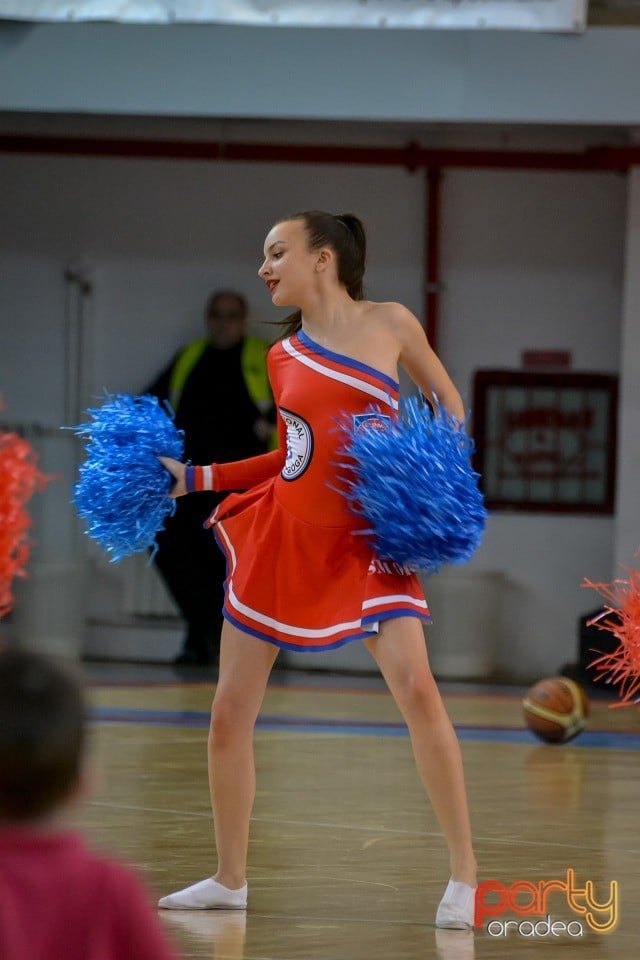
412,157
433,180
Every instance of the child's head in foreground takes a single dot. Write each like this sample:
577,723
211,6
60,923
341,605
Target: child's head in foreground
41,736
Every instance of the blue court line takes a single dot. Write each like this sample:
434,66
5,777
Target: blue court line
617,740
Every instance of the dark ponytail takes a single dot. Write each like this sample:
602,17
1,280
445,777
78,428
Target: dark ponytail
352,261
345,234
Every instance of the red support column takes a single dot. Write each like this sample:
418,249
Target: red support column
433,179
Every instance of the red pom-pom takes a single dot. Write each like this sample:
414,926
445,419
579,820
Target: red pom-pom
621,617
19,479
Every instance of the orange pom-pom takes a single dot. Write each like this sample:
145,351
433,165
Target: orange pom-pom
621,617
19,479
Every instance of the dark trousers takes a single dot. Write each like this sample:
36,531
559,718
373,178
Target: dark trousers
193,567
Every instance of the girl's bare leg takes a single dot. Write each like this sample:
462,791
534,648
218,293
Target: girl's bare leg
399,649
245,665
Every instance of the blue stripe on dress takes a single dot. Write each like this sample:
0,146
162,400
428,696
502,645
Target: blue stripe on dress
306,340
297,648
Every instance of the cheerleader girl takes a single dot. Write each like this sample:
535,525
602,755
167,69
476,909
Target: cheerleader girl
298,577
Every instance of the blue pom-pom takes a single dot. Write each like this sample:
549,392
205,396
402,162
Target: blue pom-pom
414,486
123,489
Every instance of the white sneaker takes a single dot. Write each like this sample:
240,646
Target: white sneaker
206,895
457,907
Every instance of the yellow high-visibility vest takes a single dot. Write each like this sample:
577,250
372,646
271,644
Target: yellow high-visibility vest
252,361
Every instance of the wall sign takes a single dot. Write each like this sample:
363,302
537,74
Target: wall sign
546,441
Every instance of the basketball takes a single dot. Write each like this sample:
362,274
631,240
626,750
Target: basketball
556,709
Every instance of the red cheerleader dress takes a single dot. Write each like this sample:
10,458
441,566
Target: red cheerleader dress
300,572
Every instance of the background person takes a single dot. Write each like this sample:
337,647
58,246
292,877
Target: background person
219,389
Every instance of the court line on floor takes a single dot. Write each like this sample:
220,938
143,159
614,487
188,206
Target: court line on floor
435,833
334,825
618,739
481,691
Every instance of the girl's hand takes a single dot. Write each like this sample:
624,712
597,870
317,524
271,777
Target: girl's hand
177,471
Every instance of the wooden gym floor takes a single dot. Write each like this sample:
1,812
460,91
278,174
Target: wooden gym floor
346,859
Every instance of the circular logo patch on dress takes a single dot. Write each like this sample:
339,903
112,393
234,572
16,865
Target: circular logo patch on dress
299,445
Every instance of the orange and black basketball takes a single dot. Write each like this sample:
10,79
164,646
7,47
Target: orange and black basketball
556,709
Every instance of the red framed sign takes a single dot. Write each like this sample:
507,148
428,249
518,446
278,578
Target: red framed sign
546,441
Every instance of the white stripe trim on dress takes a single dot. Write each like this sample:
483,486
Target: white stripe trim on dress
287,627
395,598
221,530
207,478
361,385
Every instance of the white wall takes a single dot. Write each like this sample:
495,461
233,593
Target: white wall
158,236
528,260
206,70
531,260
535,260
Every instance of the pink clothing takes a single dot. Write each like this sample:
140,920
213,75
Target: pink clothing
61,901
